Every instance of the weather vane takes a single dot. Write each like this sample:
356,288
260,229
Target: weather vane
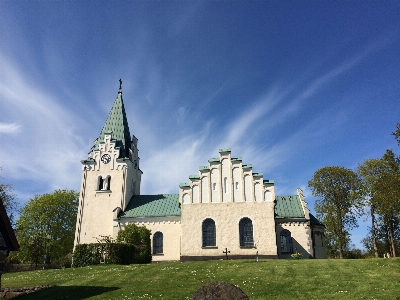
120,84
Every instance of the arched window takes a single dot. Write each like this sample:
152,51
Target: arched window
286,242
103,184
208,230
100,183
158,243
246,232
107,183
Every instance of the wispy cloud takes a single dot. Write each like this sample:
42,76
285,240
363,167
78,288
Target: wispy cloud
46,156
9,128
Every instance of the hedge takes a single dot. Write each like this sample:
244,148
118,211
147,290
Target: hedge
114,253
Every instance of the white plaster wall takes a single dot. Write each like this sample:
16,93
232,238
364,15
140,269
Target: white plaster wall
237,184
169,226
248,187
215,185
195,193
226,180
205,187
301,235
227,217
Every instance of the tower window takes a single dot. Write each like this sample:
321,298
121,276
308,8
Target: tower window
100,183
104,183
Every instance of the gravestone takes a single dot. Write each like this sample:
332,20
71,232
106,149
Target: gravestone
219,291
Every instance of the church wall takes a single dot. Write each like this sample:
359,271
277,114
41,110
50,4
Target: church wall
301,237
319,242
227,217
170,227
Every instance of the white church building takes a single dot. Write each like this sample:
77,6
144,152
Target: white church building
225,206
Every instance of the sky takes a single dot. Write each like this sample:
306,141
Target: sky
289,86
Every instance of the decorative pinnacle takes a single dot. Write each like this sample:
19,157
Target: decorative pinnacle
120,84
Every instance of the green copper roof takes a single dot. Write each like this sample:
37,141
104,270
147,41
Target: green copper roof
268,181
257,174
236,159
288,207
117,123
225,150
214,159
184,184
141,206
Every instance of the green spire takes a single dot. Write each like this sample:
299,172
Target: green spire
117,123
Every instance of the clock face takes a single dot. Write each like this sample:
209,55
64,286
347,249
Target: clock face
106,158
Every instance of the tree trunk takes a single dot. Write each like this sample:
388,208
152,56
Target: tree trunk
374,231
391,239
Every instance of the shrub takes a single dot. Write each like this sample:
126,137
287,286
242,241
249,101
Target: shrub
94,254
139,236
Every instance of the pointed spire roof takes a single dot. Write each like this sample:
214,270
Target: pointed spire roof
117,123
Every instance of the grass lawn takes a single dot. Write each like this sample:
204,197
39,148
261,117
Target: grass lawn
266,279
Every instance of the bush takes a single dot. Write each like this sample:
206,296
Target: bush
94,254
62,262
139,236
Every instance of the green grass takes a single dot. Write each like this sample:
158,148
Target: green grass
266,279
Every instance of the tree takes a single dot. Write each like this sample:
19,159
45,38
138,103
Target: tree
396,133
138,236
369,172
47,226
339,199
387,196
8,198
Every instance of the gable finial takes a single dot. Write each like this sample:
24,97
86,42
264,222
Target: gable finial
120,84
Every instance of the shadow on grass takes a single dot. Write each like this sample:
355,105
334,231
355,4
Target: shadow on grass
69,292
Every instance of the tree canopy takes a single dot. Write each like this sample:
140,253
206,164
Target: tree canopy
47,225
338,193
7,196
396,133
138,236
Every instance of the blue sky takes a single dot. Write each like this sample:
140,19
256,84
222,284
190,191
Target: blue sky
289,86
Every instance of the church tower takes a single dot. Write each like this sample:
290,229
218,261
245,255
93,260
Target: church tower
110,177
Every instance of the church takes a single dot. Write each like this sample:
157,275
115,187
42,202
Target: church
225,208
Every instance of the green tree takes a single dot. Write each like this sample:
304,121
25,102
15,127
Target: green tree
7,196
396,133
47,226
339,196
369,172
139,236
387,196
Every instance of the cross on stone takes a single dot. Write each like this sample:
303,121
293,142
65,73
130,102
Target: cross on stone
120,84
226,253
